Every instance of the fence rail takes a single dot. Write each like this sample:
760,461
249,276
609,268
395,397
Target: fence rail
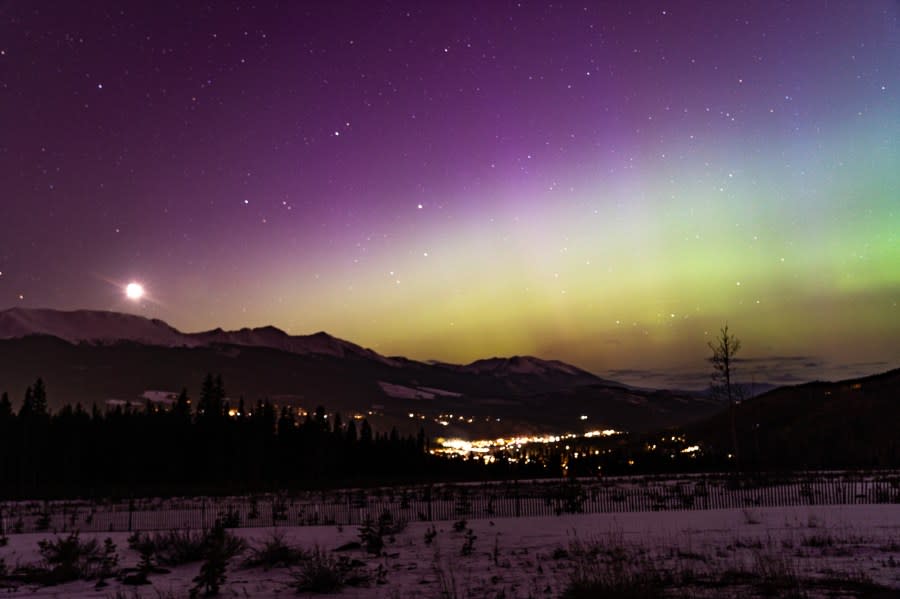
452,502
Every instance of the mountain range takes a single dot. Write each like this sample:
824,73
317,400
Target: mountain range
843,424
89,357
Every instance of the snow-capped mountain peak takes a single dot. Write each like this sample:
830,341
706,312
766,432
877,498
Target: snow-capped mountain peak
89,326
95,326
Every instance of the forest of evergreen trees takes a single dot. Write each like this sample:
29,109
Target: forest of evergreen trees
121,452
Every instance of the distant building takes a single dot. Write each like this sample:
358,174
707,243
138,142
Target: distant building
294,404
126,405
160,401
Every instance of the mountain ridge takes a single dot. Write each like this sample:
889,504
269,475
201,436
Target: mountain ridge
111,327
91,357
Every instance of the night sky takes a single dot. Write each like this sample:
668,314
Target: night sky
602,183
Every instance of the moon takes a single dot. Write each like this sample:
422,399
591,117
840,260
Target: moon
134,291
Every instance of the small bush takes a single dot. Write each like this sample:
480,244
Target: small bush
459,525
388,525
614,581
430,534
108,560
230,519
750,517
70,558
172,548
611,569
777,575
175,548
323,573
818,541
42,524
371,536
145,566
274,553
469,543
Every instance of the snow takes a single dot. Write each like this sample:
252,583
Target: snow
94,326
404,392
89,326
523,557
441,392
521,365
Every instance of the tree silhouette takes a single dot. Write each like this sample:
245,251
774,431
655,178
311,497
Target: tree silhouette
39,398
182,407
212,396
119,451
723,386
5,407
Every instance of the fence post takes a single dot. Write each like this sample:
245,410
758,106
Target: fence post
518,505
130,512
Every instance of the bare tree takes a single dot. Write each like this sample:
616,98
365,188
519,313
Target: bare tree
723,386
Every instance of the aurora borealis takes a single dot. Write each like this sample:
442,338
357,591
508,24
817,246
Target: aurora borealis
601,183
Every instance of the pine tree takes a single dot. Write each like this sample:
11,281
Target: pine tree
5,407
285,423
219,389
183,405
337,427
204,407
27,409
351,433
212,396
212,572
40,398
321,419
365,433
421,441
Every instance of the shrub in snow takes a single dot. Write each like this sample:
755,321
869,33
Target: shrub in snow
469,543
323,573
217,550
776,575
274,553
230,519
371,536
175,548
372,533
610,569
430,534
108,561
42,524
69,558
617,580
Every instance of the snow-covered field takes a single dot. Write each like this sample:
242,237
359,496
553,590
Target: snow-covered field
822,551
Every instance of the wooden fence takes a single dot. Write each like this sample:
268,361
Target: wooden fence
454,502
